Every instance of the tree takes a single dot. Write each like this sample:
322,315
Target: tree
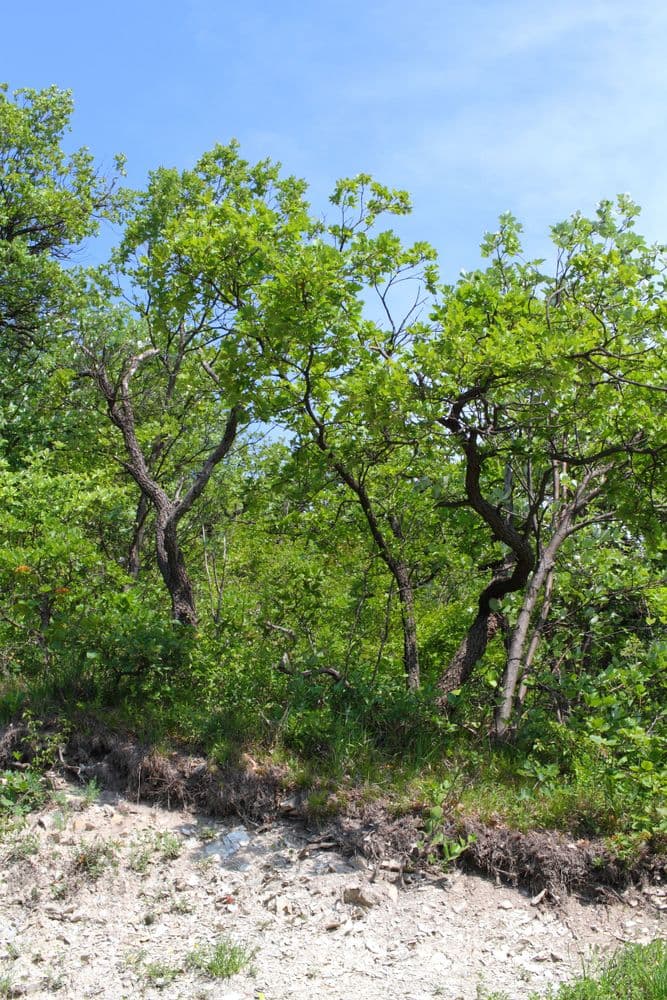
552,390
340,376
49,202
177,371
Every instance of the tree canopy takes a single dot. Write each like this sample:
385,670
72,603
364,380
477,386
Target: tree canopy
263,454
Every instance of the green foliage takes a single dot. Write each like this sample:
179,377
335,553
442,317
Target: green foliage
423,434
638,972
21,792
92,859
50,201
439,845
220,960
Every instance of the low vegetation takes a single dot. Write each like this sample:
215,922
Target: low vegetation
220,960
639,972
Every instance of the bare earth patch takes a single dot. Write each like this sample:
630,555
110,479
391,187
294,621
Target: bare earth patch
181,874
112,899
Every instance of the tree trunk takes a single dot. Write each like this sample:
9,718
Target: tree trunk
470,652
410,649
172,567
520,561
535,640
515,665
134,554
168,512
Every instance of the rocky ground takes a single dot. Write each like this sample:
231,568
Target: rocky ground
117,899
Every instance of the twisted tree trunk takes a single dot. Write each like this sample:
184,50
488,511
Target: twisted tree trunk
170,559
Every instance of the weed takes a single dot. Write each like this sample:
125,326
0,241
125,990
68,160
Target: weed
53,982
638,972
21,792
169,845
94,858
60,821
5,986
143,850
207,833
159,973
140,858
23,847
447,849
59,890
91,792
180,905
220,960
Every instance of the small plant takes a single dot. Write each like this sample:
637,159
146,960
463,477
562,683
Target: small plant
5,986
94,858
180,905
448,849
207,833
91,792
41,747
23,847
53,982
143,850
59,890
169,845
20,792
160,973
220,960
140,858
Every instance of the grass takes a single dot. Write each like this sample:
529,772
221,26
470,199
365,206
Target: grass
379,754
160,973
91,792
168,845
23,847
638,972
220,960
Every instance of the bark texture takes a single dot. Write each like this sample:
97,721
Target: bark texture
169,512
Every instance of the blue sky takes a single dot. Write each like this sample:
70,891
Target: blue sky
476,108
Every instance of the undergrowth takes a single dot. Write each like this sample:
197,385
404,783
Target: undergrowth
638,972
600,773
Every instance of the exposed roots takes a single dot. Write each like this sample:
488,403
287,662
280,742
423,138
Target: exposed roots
538,861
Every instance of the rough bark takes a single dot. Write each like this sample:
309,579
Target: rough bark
535,638
138,533
172,567
563,525
470,652
410,648
169,512
474,643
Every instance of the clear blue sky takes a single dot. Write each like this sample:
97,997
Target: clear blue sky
475,108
